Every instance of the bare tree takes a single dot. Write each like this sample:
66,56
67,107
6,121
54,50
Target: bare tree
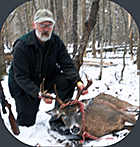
83,18
72,25
75,36
60,19
20,20
26,8
110,24
52,6
34,4
98,29
2,63
93,43
114,26
6,33
130,26
126,41
89,24
52,9
66,14
102,41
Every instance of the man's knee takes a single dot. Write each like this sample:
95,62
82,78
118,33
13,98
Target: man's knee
26,119
26,110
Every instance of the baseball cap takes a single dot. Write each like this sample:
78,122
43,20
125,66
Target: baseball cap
43,15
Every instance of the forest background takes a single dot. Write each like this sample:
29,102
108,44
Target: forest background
113,26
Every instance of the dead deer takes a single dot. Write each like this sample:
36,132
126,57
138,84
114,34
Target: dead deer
94,117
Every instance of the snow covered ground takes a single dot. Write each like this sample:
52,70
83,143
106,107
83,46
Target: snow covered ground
127,90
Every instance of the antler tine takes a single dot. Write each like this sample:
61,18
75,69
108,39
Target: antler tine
42,87
43,93
57,97
89,82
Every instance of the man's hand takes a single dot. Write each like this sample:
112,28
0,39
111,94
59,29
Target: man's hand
46,100
80,87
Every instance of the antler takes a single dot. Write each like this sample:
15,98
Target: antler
89,82
57,97
43,93
42,87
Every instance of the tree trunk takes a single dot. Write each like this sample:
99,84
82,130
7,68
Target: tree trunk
28,20
60,19
83,2
6,34
2,63
52,10
110,24
98,30
67,21
46,3
52,6
34,4
126,41
89,24
130,24
102,41
114,26
20,20
93,43
75,36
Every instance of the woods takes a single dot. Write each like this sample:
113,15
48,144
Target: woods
2,62
82,24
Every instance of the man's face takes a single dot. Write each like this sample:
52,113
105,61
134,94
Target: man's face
44,30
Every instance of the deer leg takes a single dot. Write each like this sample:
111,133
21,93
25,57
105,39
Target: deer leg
125,127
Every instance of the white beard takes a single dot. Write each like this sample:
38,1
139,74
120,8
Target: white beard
43,38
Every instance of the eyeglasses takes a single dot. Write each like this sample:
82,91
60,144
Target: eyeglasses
41,25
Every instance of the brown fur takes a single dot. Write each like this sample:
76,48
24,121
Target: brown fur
103,115
105,118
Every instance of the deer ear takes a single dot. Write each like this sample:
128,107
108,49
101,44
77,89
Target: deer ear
86,103
54,113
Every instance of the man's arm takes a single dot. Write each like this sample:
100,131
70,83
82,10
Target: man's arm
22,72
70,69
67,65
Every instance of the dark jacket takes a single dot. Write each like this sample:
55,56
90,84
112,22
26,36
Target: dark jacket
32,62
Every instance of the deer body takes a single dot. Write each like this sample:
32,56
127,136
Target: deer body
101,116
117,102
98,116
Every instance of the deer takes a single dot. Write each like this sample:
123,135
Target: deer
95,117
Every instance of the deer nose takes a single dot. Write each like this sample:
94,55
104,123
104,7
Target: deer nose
75,129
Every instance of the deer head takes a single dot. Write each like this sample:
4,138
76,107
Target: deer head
71,114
